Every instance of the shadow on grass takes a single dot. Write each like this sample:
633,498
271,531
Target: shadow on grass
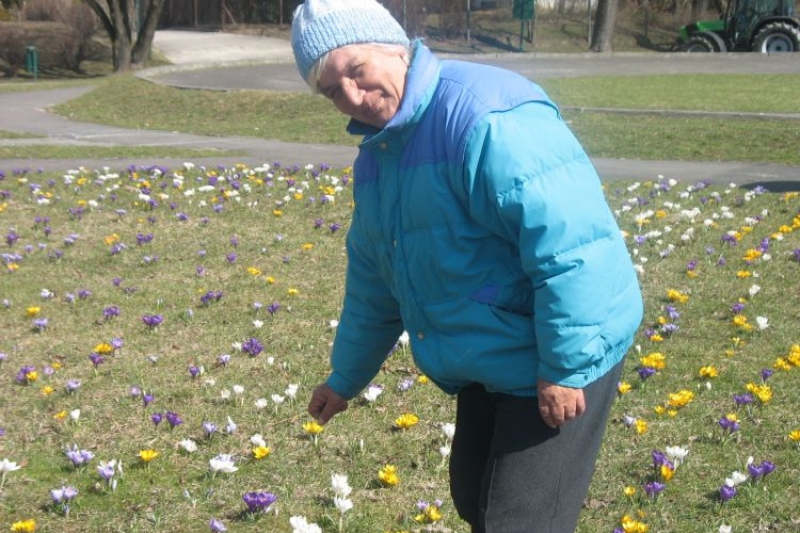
775,186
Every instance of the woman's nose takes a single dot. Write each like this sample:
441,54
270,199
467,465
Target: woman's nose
351,95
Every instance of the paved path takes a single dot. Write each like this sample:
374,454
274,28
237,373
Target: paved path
225,61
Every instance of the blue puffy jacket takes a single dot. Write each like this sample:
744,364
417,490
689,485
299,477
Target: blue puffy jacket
481,228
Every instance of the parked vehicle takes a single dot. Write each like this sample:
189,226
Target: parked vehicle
764,26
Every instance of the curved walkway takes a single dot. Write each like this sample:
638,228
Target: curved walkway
226,61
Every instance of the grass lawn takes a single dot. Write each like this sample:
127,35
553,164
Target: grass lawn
137,298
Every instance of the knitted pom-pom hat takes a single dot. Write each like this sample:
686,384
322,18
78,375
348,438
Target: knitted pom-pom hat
320,26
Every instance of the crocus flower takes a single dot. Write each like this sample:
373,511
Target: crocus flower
406,421
156,418
216,526
340,485
222,463
449,430
147,399
209,428
653,488
259,501
372,393
73,385
301,525
152,321
252,347
188,445
6,467
173,419
727,492
96,359
78,457
64,494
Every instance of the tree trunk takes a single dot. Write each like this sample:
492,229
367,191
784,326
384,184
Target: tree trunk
603,33
129,28
144,39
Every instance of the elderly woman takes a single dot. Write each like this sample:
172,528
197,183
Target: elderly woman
481,228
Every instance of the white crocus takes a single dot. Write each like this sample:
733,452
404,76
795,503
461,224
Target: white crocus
291,391
188,445
372,393
449,430
343,504
301,525
222,463
257,440
340,486
762,322
7,466
737,478
677,454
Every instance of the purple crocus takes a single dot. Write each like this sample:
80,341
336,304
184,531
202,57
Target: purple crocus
63,495
743,399
110,312
766,373
173,419
152,321
78,457
259,501
147,399
156,418
73,385
653,488
224,359
96,359
729,425
252,347
726,493
216,526
194,371
209,428
273,308
761,470
646,372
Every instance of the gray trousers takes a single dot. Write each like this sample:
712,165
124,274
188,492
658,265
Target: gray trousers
511,473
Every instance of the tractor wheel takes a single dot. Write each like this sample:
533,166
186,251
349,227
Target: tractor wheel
777,37
699,43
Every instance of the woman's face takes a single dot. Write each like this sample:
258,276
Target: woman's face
365,81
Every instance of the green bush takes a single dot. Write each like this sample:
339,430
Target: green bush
60,48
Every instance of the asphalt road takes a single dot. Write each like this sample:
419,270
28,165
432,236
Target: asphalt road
232,62
284,76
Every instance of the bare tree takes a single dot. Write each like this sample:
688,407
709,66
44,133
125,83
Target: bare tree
603,34
131,25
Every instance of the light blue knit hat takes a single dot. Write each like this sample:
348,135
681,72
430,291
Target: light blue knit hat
320,26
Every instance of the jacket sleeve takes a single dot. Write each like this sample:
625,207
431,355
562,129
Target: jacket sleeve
529,181
369,326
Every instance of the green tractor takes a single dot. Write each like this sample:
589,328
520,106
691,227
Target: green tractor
764,26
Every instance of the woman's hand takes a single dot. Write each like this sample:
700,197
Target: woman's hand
325,403
558,405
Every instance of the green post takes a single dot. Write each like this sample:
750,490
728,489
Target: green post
523,10
32,61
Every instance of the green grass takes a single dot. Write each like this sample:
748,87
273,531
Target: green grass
45,151
304,118
743,93
286,254
15,135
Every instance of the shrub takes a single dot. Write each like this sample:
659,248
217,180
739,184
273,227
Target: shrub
57,45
